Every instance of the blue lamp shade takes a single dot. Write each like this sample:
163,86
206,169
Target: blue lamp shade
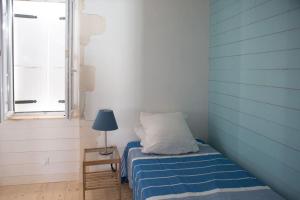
105,121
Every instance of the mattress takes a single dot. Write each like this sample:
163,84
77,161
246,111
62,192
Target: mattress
205,175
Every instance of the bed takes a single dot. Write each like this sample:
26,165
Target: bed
205,175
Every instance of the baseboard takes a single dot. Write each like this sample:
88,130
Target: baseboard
19,180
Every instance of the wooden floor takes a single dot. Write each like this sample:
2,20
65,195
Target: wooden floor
59,191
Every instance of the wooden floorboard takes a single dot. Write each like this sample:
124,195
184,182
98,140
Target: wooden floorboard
59,191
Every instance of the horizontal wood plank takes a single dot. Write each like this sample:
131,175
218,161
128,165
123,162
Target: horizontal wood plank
39,145
39,169
37,157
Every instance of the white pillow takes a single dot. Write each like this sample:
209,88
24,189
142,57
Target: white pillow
167,134
139,130
140,133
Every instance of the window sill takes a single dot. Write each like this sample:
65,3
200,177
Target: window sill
33,116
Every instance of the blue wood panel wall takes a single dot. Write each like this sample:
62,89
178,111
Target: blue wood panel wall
254,88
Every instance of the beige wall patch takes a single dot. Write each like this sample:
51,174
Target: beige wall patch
87,78
90,24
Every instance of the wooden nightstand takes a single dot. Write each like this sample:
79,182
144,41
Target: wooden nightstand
102,177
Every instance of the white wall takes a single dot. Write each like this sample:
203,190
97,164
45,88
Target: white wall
34,151
151,56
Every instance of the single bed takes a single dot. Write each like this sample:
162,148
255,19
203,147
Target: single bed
204,175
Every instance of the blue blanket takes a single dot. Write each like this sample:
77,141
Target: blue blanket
206,174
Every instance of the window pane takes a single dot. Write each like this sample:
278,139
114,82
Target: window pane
39,55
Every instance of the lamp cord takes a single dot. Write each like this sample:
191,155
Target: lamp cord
112,168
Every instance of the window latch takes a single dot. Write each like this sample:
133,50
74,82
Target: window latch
25,101
26,16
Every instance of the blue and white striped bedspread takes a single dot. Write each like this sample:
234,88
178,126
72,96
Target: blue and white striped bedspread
206,175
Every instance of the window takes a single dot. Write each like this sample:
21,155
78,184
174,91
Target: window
37,57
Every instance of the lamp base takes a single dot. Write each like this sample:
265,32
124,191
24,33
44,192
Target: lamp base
106,152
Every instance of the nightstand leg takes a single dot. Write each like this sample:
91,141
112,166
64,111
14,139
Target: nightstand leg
83,182
120,188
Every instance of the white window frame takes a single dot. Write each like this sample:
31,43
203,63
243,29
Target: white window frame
6,60
1,70
69,84
6,64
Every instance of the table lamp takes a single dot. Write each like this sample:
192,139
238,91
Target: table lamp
105,121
